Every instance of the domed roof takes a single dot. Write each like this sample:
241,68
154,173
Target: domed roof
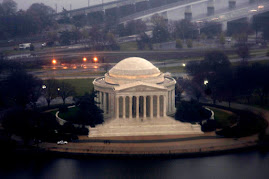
135,69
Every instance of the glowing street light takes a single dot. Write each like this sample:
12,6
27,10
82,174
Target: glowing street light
95,59
84,59
205,82
54,61
58,89
44,86
184,64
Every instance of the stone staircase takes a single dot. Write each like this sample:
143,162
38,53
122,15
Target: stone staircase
142,127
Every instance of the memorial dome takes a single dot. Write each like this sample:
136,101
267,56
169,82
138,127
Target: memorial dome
134,69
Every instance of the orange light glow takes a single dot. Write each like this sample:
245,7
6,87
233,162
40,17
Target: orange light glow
65,67
95,67
84,59
95,59
54,61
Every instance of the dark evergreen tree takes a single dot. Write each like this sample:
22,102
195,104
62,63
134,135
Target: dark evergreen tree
89,113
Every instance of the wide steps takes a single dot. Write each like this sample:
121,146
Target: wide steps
131,127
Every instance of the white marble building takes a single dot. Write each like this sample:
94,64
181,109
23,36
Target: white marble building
135,94
135,88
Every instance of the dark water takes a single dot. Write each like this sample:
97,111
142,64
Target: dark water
252,165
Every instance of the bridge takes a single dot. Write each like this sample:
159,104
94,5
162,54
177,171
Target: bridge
203,11
245,11
123,8
200,11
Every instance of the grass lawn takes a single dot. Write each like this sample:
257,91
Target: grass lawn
54,112
263,62
70,115
81,85
128,46
222,117
263,107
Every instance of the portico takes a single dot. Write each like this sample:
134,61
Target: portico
140,104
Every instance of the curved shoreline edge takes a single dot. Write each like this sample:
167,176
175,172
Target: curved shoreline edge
177,152
161,155
55,154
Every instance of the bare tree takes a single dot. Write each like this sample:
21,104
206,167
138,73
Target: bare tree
65,90
50,90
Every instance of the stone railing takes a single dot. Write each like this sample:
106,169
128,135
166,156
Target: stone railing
62,121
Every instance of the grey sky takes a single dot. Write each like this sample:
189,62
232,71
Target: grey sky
24,4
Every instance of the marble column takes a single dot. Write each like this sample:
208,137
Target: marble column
130,107
145,106
158,106
168,102
109,103
101,100
173,99
123,107
112,104
117,107
137,107
151,106
97,98
105,103
164,105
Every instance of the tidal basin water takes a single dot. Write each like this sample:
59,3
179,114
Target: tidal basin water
252,165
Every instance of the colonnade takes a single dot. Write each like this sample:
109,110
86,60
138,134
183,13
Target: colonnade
103,100
146,106
171,100
136,106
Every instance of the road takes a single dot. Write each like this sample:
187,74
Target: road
245,10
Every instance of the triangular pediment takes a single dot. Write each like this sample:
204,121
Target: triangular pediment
139,86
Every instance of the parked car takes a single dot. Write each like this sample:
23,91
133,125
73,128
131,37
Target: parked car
44,44
47,44
24,46
61,142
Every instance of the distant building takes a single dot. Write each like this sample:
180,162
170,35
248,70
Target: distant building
134,93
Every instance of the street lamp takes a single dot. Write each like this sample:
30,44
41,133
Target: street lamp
183,64
44,86
54,61
58,89
95,59
84,59
205,82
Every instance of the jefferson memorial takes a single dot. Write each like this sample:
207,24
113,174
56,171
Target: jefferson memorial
137,100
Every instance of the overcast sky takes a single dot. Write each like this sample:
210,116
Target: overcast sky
24,4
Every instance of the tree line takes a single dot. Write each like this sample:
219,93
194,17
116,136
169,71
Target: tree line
215,77
20,115
37,18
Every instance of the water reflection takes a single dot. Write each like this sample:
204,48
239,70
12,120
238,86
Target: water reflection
241,165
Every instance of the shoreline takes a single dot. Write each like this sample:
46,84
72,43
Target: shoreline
37,152
153,148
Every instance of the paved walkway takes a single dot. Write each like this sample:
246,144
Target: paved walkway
263,112
171,147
